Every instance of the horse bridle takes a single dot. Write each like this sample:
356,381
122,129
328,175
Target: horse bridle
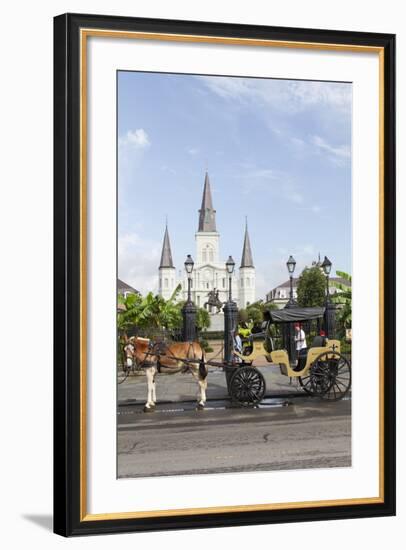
144,362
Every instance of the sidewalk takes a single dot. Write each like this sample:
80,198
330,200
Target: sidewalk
183,387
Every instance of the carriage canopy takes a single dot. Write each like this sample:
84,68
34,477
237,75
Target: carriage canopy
294,314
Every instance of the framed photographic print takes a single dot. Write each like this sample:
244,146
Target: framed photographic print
224,274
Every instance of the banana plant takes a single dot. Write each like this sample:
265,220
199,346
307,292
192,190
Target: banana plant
343,298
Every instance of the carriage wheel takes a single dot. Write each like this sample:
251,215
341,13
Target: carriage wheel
330,376
305,382
247,386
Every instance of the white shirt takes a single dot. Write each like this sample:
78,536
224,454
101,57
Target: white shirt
300,339
237,343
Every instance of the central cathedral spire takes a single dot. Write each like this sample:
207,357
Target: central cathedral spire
207,214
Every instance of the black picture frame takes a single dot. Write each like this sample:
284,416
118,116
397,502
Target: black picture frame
68,519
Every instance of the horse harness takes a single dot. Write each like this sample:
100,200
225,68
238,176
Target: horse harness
157,350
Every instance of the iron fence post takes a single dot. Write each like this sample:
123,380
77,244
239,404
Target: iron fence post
189,313
330,319
289,334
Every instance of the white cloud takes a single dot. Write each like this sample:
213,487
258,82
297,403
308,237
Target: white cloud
166,168
132,147
297,142
138,139
339,155
259,173
285,95
193,151
294,196
267,180
138,261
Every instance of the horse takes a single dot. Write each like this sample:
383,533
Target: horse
167,358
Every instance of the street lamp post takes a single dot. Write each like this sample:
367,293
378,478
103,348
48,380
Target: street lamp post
189,310
326,266
330,313
230,264
289,332
189,263
230,315
291,264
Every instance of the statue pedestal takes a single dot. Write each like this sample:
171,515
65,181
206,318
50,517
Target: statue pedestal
216,321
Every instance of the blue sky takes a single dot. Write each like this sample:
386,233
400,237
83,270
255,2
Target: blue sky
277,151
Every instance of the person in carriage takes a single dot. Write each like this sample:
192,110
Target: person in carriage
301,346
244,333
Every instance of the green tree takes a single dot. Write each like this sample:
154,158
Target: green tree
132,309
343,299
203,318
254,312
152,312
311,287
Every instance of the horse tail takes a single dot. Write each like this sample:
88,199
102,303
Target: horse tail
203,370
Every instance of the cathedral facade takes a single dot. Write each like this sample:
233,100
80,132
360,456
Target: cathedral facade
209,274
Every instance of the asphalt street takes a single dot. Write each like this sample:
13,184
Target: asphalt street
283,433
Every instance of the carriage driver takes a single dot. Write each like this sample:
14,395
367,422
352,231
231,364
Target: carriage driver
301,346
245,332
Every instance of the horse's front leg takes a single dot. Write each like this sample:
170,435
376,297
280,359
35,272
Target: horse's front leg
154,389
202,381
151,397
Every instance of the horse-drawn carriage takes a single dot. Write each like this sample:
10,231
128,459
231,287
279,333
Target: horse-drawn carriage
322,372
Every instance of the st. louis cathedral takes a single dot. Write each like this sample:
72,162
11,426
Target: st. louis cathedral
209,273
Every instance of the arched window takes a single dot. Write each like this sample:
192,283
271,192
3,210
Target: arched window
208,253
166,283
248,282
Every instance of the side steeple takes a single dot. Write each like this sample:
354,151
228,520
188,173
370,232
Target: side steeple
166,255
166,271
246,258
207,214
246,294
